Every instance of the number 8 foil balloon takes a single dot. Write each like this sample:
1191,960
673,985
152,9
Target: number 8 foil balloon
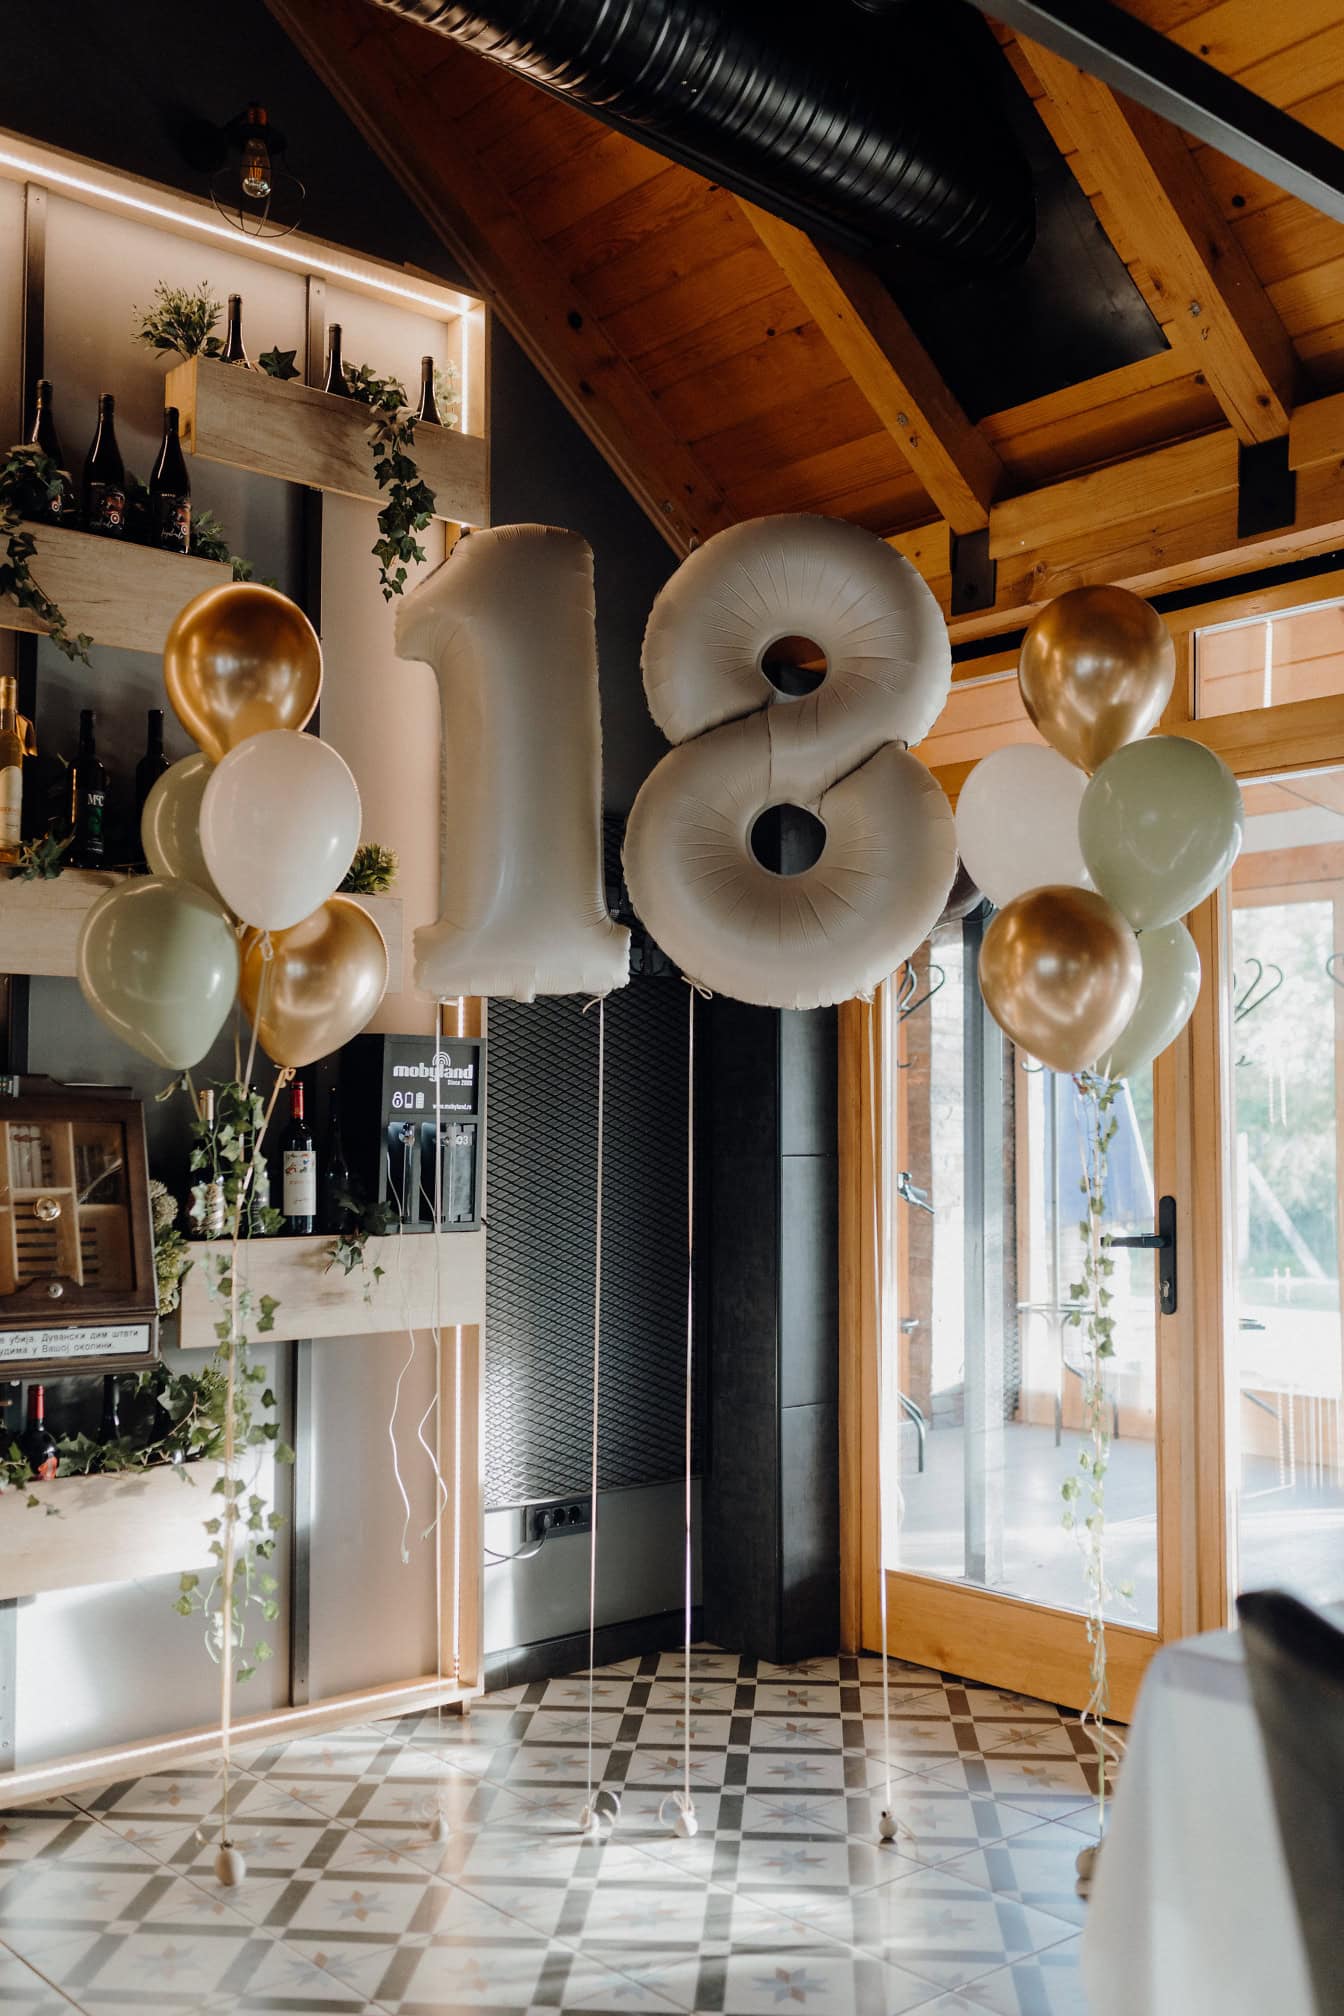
889,856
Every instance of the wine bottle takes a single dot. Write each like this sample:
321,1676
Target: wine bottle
429,405
35,1443
109,1428
11,770
147,774
334,1177
233,351
105,477
170,491
88,800
63,508
336,379
298,1199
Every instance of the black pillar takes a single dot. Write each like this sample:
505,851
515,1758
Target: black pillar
771,1519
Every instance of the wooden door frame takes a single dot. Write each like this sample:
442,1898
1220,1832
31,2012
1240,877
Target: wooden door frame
1191,1096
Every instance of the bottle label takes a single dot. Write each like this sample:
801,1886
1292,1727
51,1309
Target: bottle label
107,508
299,1183
91,824
173,529
48,1467
11,805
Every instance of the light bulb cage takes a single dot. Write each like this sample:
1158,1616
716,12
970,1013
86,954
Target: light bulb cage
280,210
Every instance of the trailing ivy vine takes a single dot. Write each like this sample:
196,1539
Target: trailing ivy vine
1084,1492
30,483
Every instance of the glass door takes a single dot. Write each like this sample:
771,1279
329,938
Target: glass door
984,1416
1284,1347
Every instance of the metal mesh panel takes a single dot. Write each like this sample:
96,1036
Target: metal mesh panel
541,1157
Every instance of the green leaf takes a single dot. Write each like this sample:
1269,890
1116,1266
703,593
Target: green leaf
277,363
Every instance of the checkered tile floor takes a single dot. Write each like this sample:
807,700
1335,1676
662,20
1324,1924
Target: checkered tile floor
784,1902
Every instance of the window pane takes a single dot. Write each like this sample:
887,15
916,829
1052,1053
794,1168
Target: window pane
1298,655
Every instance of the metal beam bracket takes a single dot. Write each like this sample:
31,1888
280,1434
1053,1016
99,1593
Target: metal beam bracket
1266,488
974,574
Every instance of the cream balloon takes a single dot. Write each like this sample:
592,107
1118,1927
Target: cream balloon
1168,992
888,856
158,962
1160,826
1017,822
170,825
279,826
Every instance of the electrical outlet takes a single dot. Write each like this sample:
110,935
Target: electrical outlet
560,1516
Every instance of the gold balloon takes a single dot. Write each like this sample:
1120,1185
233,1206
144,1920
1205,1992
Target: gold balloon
1060,971
1096,670
238,660
322,982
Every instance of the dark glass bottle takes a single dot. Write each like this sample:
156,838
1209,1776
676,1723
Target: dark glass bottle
109,1428
233,351
63,508
170,491
88,800
147,774
335,379
36,1444
334,1176
298,1198
429,405
105,477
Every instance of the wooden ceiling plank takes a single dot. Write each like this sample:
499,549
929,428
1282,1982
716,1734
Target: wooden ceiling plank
1151,183
891,367
384,96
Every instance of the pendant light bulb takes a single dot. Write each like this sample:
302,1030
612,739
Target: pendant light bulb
256,155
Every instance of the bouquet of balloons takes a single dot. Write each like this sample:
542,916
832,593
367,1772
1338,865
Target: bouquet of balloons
1095,848
247,842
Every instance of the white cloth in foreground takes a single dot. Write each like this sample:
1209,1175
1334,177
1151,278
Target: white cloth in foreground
1192,1910
508,625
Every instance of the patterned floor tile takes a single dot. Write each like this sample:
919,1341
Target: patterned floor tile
1038,1868
1046,1786
24,1993
833,1983
708,1697
1047,1984
31,1829
509,1975
592,1986
940,1820
666,1729
949,1931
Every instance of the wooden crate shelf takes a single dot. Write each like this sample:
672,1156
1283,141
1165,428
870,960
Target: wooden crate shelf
316,1300
118,1527
281,427
40,923
115,592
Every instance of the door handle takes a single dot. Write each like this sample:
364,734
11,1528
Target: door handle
1161,1242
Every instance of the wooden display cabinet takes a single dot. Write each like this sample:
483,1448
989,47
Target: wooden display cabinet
77,1284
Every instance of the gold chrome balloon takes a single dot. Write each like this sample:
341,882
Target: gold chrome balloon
322,982
1060,971
1096,670
240,659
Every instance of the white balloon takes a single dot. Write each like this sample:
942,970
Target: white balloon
1167,996
508,625
889,853
1017,823
279,826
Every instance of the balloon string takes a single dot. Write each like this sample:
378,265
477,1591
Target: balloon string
877,1131
597,1385
688,1807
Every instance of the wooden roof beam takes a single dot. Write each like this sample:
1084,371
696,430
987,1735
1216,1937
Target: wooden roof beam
376,68
1220,315
953,460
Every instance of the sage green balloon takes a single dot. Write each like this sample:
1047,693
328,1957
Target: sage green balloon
158,963
1168,992
1160,826
170,825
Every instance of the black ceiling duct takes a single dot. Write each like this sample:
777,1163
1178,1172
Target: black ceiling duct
877,129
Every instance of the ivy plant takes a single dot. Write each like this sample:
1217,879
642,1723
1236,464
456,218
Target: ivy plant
228,1159
372,872
30,482
180,319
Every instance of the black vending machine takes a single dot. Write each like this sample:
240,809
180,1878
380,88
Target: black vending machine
397,1093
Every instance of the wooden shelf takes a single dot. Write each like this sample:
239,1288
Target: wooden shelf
115,592
280,427
118,1527
316,1300
40,923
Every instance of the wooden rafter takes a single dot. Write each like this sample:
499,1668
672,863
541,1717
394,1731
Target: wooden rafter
378,70
1153,190
891,367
